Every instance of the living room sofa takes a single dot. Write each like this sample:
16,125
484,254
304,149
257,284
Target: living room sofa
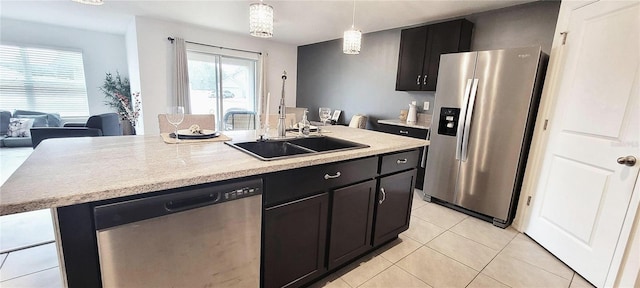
107,124
40,119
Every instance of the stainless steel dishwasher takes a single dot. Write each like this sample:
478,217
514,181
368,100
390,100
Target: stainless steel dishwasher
208,236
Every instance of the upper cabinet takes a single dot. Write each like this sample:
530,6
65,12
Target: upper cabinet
420,50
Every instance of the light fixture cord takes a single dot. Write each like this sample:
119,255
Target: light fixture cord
353,19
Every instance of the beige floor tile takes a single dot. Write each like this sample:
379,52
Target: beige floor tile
439,215
364,269
465,251
484,233
25,229
422,231
484,281
399,248
579,282
49,278
517,273
2,258
436,269
417,200
12,158
525,249
394,277
331,281
28,261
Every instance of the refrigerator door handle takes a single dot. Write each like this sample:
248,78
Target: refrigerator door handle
467,124
461,119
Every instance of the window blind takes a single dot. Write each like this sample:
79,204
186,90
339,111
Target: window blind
44,80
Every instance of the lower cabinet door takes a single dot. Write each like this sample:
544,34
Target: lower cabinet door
351,219
395,193
295,235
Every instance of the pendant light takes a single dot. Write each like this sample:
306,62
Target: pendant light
352,37
89,2
261,20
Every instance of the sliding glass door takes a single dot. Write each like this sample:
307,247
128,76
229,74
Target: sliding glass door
225,86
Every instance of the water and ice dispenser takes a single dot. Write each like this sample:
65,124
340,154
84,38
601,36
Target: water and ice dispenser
448,122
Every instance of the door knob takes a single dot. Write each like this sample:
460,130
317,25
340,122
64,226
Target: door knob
629,161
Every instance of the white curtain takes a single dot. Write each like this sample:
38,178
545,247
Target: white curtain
181,76
262,89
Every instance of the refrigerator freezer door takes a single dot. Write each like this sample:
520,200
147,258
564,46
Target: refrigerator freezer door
488,176
442,169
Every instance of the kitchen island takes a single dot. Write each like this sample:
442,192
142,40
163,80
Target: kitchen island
66,174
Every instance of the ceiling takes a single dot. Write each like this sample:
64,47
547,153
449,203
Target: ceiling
296,22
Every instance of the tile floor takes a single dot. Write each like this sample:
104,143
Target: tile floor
37,265
442,248
445,248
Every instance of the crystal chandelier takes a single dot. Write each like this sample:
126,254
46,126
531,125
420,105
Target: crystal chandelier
261,20
352,37
90,2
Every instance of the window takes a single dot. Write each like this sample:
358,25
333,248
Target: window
43,80
224,85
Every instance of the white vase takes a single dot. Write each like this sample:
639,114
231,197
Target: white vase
412,115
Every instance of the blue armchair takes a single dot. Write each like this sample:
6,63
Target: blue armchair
107,124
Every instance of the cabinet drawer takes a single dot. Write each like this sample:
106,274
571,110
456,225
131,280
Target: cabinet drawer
399,161
403,131
294,184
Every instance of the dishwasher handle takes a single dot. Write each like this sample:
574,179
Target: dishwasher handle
178,205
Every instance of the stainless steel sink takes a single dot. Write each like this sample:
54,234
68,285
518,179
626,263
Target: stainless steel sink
295,147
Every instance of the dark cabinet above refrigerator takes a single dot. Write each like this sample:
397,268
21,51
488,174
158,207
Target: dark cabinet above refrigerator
420,50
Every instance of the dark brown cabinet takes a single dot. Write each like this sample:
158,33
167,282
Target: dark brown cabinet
295,240
420,50
351,219
296,219
413,133
393,210
317,219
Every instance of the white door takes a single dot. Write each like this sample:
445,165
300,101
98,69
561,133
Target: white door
583,194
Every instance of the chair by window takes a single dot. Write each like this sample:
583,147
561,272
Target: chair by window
298,111
205,121
239,120
358,121
289,120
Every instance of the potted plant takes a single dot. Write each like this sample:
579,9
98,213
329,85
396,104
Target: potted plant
117,93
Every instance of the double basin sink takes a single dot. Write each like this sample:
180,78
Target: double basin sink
274,149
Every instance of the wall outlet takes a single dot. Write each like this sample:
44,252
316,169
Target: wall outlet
426,105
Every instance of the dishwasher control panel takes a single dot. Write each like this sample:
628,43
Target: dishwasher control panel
241,193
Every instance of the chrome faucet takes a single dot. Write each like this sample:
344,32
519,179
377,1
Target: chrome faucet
282,126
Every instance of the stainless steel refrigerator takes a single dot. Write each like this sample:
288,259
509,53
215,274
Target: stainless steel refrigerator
485,110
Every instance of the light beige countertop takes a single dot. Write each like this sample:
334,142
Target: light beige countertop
69,171
425,124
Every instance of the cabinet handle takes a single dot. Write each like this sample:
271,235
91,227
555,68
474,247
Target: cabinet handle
327,176
402,161
418,80
383,196
424,80
404,132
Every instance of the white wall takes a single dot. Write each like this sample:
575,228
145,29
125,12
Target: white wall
134,69
155,61
102,52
